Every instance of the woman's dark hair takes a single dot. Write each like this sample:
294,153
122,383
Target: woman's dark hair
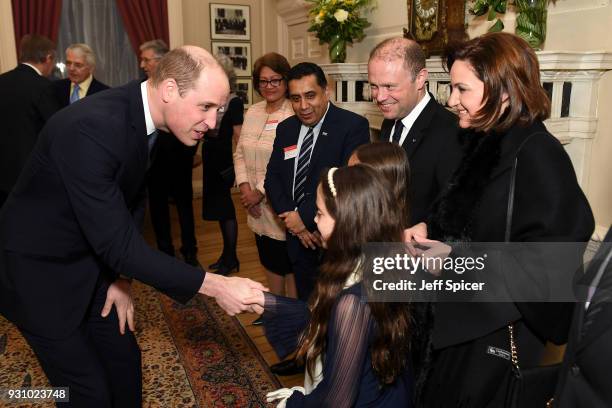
505,63
364,211
275,62
391,161
307,68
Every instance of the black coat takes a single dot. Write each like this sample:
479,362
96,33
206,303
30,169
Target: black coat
62,90
434,152
26,103
549,206
70,218
584,381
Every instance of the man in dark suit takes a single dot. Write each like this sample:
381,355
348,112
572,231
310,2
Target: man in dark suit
426,130
81,64
170,175
26,102
68,230
584,380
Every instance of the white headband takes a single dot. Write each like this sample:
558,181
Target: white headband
330,181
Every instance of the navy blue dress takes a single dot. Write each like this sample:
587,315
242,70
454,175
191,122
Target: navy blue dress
348,376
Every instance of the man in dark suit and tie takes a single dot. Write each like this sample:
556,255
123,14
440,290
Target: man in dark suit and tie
584,381
68,233
81,64
426,130
26,102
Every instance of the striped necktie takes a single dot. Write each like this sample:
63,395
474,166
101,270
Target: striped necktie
74,96
302,167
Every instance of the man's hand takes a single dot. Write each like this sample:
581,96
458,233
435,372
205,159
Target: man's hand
231,293
433,252
293,222
257,301
118,293
309,239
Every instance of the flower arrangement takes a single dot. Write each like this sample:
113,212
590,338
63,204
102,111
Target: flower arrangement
338,22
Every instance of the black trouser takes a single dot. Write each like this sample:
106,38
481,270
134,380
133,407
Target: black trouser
170,175
101,367
305,265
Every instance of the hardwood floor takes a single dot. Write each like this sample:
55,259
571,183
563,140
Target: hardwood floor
210,245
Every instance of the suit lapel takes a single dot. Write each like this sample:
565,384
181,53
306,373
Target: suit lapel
419,127
385,130
323,139
293,137
137,122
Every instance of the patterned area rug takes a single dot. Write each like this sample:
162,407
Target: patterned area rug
192,355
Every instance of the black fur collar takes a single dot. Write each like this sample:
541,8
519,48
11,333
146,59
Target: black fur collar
452,213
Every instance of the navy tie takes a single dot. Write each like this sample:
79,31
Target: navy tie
397,133
302,167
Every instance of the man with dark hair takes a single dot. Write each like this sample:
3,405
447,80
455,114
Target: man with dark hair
170,176
26,102
68,230
320,135
81,64
413,119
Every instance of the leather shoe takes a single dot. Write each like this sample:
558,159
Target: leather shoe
257,322
287,367
226,269
217,264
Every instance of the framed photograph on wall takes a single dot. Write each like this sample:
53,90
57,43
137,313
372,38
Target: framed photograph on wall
230,22
238,52
244,90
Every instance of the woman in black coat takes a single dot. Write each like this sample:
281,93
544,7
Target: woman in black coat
497,95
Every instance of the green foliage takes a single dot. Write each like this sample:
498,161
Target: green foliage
333,19
492,7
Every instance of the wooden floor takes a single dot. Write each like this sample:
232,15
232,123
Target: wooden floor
210,245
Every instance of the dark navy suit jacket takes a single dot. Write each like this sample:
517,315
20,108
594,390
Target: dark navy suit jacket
70,219
62,90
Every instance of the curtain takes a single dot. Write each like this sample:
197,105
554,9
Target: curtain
144,20
98,24
36,17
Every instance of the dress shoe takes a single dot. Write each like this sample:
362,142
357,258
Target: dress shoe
287,367
226,269
192,260
257,322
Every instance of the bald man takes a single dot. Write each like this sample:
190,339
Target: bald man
68,237
414,120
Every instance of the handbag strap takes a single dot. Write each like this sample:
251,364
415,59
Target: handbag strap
513,348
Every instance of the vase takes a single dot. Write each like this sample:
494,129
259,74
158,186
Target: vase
531,21
337,49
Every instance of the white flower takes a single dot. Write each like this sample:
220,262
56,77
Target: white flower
341,15
318,19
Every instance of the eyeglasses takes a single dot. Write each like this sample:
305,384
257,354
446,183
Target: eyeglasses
147,60
263,83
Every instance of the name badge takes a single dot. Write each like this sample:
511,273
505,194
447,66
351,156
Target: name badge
271,125
290,152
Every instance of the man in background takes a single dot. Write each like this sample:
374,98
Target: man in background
80,64
170,176
26,102
413,119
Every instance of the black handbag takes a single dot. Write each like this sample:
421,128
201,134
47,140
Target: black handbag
526,387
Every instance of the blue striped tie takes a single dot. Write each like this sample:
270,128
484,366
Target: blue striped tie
302,167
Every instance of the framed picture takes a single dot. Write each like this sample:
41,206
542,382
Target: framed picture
238,52
230,22
244,90
435,23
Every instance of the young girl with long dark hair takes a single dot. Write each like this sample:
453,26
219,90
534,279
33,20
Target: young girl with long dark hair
356,353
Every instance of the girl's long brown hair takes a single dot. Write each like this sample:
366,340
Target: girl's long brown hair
364,210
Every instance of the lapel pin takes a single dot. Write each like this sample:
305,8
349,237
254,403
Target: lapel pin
324,133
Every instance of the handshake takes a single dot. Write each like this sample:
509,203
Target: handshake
234,295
